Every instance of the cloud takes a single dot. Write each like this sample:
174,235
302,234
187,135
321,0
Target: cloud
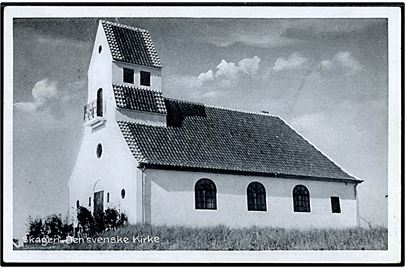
227,69
218,81
308,29
275,33
228,72
253,39
326,64
348,61
26,106
43,91
250,65
343,61
207,76
294,61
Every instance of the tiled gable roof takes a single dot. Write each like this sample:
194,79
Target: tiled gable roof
209,138
140,99
131,45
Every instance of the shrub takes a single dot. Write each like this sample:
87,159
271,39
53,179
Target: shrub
35,227
85,221
51,226
99,222
109,219
123,220
67,228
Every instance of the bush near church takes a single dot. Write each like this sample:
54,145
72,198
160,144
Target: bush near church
89,224
53,226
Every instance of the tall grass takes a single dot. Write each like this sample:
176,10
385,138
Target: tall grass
224,238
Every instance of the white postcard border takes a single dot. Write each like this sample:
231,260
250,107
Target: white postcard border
392,255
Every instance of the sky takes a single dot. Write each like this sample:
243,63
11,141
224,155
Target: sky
327,78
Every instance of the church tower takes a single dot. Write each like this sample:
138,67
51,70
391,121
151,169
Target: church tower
124,84
124,77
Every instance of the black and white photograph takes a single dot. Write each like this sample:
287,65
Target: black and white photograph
202,134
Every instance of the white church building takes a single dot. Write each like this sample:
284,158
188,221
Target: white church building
175,162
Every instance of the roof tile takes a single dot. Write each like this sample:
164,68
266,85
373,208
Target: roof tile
131,45
140,99
199,136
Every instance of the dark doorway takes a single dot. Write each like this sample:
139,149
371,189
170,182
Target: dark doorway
98,202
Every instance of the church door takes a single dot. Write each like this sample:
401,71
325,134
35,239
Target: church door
98,202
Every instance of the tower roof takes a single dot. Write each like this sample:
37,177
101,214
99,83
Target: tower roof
131,45
136,98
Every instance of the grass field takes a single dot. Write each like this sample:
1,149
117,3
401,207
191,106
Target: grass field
223,238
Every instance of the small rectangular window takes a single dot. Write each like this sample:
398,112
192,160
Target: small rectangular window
108,197
128,75
335,203
89,201
145,78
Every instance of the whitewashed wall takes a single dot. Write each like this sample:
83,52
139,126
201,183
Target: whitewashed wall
116,168
171,201
100,68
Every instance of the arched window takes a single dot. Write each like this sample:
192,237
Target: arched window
256,197
301,199
100,102
205,194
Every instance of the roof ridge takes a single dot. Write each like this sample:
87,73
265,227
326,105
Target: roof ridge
140,124
124,26
182,100
320,151
224,108
137,87
242,111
